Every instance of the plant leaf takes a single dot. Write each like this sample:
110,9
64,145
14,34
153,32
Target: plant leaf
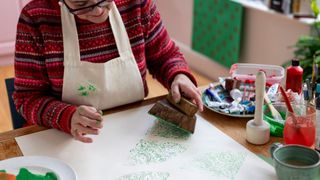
314,7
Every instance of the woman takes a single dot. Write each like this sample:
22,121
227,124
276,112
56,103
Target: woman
76,57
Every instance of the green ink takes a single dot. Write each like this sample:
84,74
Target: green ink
147,152
225,164
166,130
25,174
146,175
82,91
85,93
81,88
91,87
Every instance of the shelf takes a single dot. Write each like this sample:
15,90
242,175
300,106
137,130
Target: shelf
259,5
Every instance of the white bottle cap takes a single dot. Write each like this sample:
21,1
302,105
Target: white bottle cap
236,94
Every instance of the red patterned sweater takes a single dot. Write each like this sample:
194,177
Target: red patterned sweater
39,55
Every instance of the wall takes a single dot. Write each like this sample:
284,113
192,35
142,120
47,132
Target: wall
266,39
9,14
177,17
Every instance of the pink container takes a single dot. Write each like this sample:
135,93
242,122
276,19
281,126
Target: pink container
247,72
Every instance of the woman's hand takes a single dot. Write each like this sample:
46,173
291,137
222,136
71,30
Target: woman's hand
86,120
182,85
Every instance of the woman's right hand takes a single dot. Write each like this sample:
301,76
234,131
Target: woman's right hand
86,120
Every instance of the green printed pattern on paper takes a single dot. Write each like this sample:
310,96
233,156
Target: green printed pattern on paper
165,130
147,152
225,164
146,175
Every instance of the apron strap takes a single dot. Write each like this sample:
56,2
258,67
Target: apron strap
71,50
119,31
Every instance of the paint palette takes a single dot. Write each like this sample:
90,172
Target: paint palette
217,99
38,165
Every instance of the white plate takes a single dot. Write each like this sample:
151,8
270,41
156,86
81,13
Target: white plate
39,165
223,113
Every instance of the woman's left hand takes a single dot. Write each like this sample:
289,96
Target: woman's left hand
182,85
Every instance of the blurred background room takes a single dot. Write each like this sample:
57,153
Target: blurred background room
212,34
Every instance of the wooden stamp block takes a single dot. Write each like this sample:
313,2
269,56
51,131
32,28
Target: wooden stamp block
184,105
165,111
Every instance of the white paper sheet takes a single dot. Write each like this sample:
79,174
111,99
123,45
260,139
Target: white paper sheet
134,145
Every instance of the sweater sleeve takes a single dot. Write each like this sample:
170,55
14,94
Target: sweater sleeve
32,95
164,59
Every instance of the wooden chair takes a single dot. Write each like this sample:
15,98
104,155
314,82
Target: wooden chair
17,120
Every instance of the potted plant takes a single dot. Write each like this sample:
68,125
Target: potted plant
307,48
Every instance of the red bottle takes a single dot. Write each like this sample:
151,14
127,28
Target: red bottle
294,76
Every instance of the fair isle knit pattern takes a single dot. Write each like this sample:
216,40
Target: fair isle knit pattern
39,55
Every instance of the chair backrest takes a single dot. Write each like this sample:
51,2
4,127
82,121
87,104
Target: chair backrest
17,120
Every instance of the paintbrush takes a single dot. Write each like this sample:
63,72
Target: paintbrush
286,99
290,109
275,114
314,78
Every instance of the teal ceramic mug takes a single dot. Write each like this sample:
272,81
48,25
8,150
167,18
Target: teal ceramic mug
295,162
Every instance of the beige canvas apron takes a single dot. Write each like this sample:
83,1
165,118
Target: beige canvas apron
101,85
